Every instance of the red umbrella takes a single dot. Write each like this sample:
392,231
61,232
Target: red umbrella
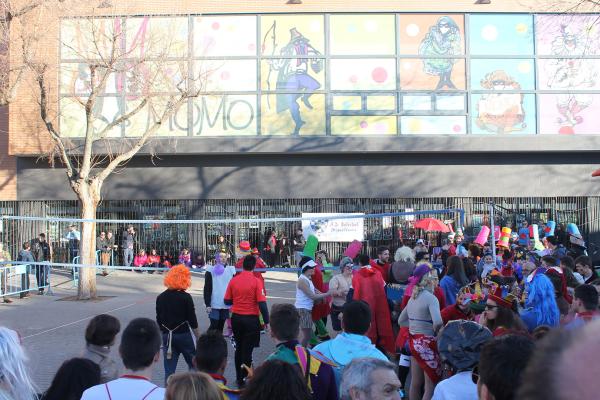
431,225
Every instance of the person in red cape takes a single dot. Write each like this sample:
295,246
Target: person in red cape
382,263
368,285
322,309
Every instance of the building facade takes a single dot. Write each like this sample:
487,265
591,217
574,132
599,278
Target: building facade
402,104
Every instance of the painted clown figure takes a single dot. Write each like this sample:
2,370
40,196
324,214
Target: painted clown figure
293,75
443,39
500,112
571,73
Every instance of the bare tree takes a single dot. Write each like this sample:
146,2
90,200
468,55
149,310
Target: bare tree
137,63
17,14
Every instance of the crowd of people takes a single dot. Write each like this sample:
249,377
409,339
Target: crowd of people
453,323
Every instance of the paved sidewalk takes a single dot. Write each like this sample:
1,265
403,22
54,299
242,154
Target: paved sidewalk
53,329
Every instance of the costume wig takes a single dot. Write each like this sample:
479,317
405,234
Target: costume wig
178,278
541,300
424,277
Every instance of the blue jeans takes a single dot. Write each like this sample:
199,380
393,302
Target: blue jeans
181,344
127,257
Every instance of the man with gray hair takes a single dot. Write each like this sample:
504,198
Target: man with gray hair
370,379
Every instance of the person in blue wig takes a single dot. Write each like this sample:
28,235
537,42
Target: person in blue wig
540,306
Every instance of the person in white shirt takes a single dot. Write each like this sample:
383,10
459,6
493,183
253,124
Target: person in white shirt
460,344
306,296
140,352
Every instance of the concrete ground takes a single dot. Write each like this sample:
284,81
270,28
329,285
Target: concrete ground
53,328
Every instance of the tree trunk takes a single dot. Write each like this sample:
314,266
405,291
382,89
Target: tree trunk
89,198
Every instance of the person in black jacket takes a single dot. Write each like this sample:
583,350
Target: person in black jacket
41,251
175,315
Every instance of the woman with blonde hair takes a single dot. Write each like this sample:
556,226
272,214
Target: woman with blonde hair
192,386
175,315
15,383
423,318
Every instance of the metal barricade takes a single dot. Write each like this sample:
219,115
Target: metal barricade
15,278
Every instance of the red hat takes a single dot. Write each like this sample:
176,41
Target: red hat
505,302
245,245
255,252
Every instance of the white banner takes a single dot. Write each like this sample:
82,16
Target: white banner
334,230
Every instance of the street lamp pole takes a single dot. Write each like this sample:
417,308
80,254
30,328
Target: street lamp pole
492,229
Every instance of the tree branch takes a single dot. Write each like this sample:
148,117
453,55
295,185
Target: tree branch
64,155
171,108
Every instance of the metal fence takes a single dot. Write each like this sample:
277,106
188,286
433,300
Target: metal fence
205,238
24,278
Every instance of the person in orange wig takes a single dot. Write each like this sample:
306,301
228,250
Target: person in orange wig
175,315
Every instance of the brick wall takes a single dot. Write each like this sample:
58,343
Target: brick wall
8,164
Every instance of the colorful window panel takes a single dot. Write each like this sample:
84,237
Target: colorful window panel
432,74
503,113
502,74
293,113
567,35
433,125
362,35
432,35
156,36
501,34
363,125
569,113
363,74
216,36
222,115
176,125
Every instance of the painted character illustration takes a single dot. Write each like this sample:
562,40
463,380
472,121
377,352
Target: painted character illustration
443,39
567,73
293,76
500,112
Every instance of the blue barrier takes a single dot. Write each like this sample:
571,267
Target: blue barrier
15,279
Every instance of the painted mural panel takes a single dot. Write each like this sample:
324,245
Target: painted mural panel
363,74
569,74
356,34
569,113
77,34
432,35
567,35
503,74
346,103
227,75
151,77
363,125
381,103
176,125
433,125
439,40
157,36
75,79
369,64
222,35
503,113
221,115
418,74
105,111
501,34
293,114
289,35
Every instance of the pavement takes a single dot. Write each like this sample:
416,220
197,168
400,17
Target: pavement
53,327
